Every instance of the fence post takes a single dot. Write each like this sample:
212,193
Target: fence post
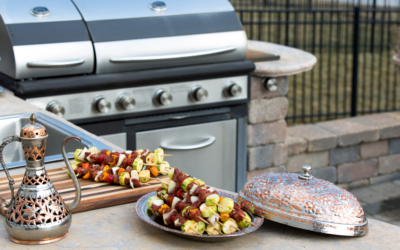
287,24
354,85
373,26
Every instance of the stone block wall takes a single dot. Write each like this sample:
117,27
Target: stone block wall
266,130
352,152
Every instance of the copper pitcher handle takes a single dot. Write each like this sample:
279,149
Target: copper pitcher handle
75,203
11,182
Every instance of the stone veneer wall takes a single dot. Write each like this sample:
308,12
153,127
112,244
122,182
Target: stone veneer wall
266,131
351,152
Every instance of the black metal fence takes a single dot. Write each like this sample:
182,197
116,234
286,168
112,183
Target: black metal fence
352,40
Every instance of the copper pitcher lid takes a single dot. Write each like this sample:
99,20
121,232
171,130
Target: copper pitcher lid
305,202
33,129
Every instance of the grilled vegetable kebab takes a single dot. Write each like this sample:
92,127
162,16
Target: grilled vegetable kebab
128,168
186,203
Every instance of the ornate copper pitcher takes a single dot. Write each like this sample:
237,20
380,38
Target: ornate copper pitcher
37,214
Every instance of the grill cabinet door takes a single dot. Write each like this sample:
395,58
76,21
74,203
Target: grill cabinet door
214,163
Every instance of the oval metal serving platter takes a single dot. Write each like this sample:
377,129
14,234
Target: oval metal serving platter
146,216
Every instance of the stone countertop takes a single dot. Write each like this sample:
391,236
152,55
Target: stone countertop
119,227
292,61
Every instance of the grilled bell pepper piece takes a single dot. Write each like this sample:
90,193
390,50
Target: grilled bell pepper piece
105,174
113,162
154,171
224,216
87,176
120,171
162,208
106,168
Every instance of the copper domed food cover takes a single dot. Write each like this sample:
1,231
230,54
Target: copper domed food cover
305,202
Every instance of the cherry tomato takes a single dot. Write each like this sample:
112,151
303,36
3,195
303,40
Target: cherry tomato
180,194
101,158
110,179
129,162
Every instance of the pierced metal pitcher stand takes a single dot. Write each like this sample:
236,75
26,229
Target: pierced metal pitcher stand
37,214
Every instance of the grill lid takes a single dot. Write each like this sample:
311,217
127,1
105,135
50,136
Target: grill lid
41,38
137,35
304,202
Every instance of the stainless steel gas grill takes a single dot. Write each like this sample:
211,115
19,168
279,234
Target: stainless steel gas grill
139,74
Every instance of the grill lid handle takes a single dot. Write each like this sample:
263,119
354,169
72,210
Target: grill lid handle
67,63
202,144
172,56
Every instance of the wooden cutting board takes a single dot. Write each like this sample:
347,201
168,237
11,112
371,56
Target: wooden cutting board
94,195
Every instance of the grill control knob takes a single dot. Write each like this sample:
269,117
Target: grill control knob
232,89
162,97
198,94
56,108
101,104
125,102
